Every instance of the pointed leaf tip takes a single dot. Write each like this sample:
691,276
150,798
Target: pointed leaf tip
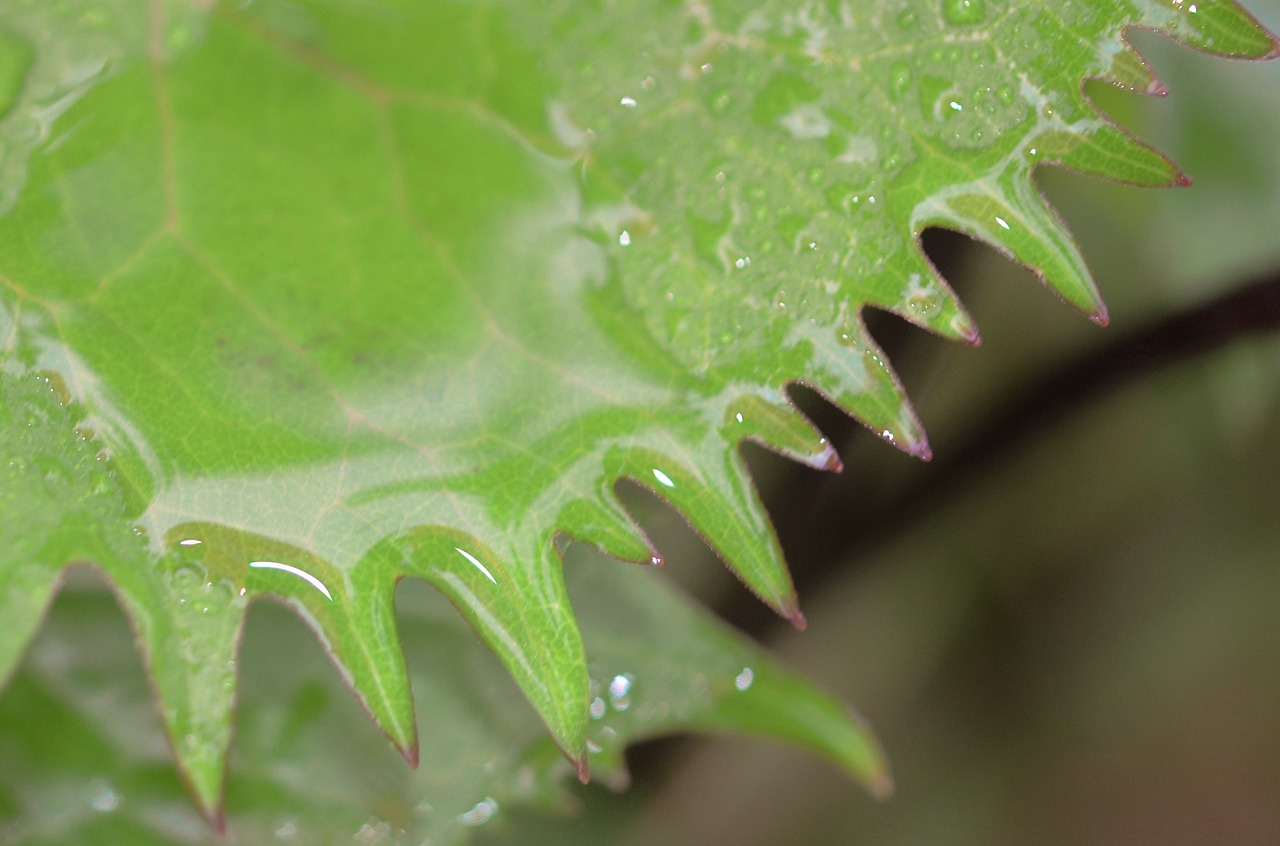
830,461
881,786
217,819
584,770
410,753
518,605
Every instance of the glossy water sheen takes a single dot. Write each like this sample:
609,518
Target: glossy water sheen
326,294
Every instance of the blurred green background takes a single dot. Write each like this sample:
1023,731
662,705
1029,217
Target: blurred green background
1065,630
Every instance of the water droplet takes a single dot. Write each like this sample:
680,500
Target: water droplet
374,831
663,478
597,708
475,562
1003,223
628,102
624,239
922,297
899,79
744,679
103,798
806,121
963,12
300,573
620,691
481,813
743,262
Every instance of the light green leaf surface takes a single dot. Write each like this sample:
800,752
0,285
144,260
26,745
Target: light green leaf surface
299,299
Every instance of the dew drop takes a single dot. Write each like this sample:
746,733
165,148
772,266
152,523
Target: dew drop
744,679
481,813
721,103
963,12
899,79
628,102
624,239
620,691
103,797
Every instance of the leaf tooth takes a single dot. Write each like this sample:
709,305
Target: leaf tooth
779,426
926,300
519,607
721,504
1225,29
1010,215
1112,153
853,372
351,611
188,627
25,595
1129,70
605,524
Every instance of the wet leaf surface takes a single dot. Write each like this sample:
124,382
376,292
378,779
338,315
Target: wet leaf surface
299,299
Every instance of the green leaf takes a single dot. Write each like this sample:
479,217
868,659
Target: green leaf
306,770
300,299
